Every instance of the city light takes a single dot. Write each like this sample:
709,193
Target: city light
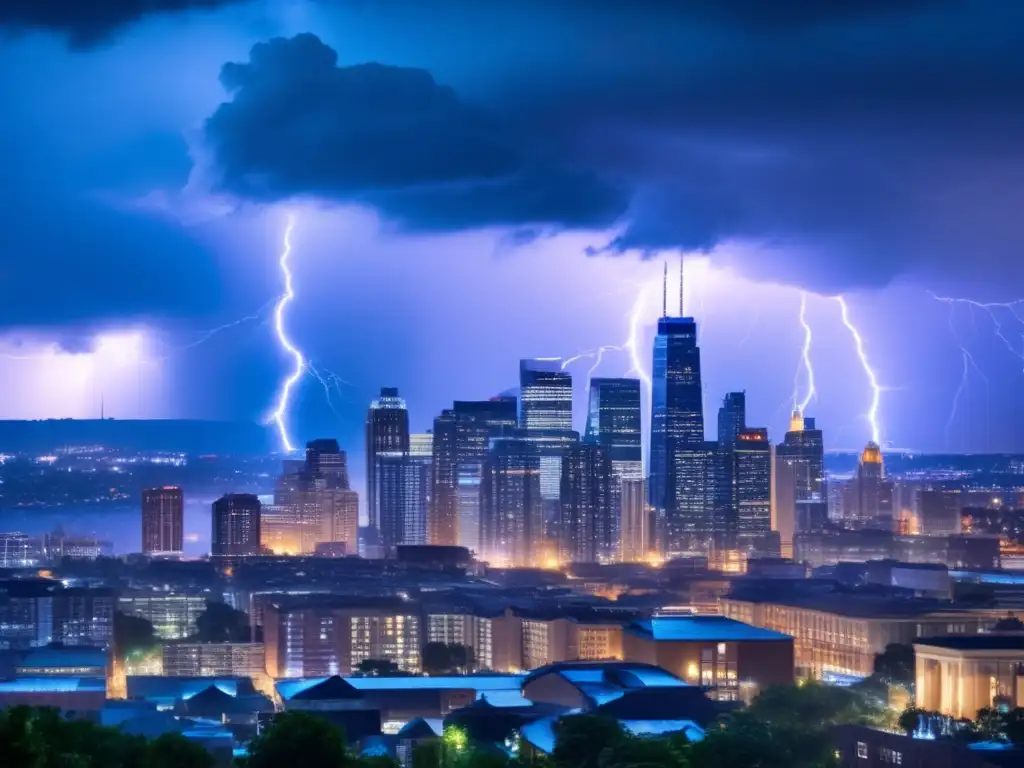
299,361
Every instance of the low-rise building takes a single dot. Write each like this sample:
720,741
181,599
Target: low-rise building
173,616
214,659
733,659
330,635
838,634
958,675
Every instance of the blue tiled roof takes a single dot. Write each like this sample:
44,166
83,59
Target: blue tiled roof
53,685
698,628
291,687
64,657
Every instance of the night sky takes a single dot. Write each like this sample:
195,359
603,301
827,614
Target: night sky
474,182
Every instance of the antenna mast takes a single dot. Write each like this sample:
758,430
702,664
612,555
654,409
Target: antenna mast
664,290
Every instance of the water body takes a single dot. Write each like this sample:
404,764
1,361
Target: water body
122,526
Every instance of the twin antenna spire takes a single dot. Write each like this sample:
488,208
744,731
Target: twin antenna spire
664,289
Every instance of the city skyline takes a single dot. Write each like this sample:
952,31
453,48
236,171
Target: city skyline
170,261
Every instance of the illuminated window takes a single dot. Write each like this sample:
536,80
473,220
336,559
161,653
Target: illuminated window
862,750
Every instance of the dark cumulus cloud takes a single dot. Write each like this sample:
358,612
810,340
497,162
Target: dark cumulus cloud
842,144
387,137
88,22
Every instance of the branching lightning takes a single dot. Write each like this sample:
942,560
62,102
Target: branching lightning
805,362
1015,308
299,361
876,389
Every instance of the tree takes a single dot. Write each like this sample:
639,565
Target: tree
299,738
132,633
220,623
895,665
581,739
427,754
745,741
989,724
1014,726
377,668
444,658
634,752
910,720
815,705
172,750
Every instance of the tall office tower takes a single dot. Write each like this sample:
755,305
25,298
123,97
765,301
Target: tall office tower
872,507
420,485
443,522
699,492
586,530
326,460
341,518
403,493
163,515
476,423
732,418
677,433
387,431
635,533
614,421
940,512
236,526
802,451
752,489
511,513
546,395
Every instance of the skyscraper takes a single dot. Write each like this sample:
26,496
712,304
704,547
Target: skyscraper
443,520
587,521
462,436
403,493
732,417
545,395
387,431
635,534
752,489
803,452
312,502
871,502
614,421
236,526
163,513
511,513
680,463
326,460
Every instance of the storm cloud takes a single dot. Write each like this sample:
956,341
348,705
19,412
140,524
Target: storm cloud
88,22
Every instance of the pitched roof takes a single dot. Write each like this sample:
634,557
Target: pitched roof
683,703
331,688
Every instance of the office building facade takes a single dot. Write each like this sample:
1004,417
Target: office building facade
387,432
545,392
801,494
163,521
678,467
236,526
587,529
511,511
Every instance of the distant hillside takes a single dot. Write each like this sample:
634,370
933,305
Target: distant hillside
177,435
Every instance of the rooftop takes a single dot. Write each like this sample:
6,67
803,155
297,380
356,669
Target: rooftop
988,642
290,688
63,656
700,628
54,685
852,604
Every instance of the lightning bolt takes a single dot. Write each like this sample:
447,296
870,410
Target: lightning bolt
805,361
632,343
968,361
1015,308
299,361
876,389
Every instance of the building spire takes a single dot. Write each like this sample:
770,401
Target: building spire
664,290
681,313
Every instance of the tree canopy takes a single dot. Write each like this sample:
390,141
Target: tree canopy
220,623
447,658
